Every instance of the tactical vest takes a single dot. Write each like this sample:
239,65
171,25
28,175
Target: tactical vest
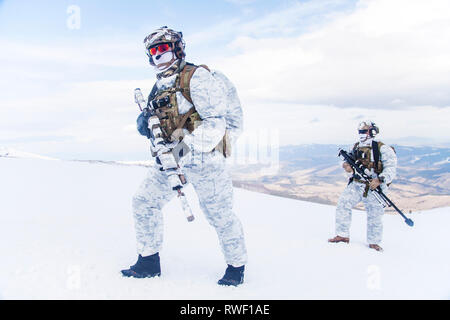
172,122
364,156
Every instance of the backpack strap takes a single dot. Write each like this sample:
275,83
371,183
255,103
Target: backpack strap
185,79
185,89
204,66
184,86
376,147
355,148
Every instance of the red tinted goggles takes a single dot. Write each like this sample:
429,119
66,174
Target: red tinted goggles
161,48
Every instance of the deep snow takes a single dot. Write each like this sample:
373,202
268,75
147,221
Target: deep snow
66,230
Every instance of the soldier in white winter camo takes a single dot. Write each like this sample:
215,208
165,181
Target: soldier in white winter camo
383,169
214,123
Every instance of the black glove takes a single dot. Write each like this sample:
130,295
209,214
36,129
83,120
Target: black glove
142,124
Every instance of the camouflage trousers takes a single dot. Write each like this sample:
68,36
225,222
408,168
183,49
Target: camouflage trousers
212,183
352,195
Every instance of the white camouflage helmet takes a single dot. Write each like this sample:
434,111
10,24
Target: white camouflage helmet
373,128
165,35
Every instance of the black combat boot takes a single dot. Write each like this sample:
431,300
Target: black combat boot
233,276
145,267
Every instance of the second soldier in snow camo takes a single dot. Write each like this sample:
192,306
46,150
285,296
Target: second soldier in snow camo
381,160
199,109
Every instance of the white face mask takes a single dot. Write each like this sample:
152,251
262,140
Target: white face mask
363,137
162,59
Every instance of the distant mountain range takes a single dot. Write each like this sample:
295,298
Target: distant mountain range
313,172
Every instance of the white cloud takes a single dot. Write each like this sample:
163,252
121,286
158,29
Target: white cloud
301,124
117,52
383,51
241,2
282,22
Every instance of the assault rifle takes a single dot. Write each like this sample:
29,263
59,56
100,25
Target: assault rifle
166,159
378,193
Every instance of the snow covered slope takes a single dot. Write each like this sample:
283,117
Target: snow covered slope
66,230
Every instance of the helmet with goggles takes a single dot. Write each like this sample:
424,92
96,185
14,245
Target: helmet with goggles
164,39
368,126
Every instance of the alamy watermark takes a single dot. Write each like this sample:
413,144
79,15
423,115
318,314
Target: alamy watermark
73,21
373,277
260,148
73,281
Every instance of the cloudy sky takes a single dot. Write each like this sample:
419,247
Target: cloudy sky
308,70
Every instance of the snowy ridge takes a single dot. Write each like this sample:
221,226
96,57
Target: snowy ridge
74,233
12,153
144,163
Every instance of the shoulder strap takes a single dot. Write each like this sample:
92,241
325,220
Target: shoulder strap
184,85
376,146
185,79
204,66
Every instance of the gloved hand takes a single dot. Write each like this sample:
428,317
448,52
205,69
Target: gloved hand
142,124
374,183
347,167
164,147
